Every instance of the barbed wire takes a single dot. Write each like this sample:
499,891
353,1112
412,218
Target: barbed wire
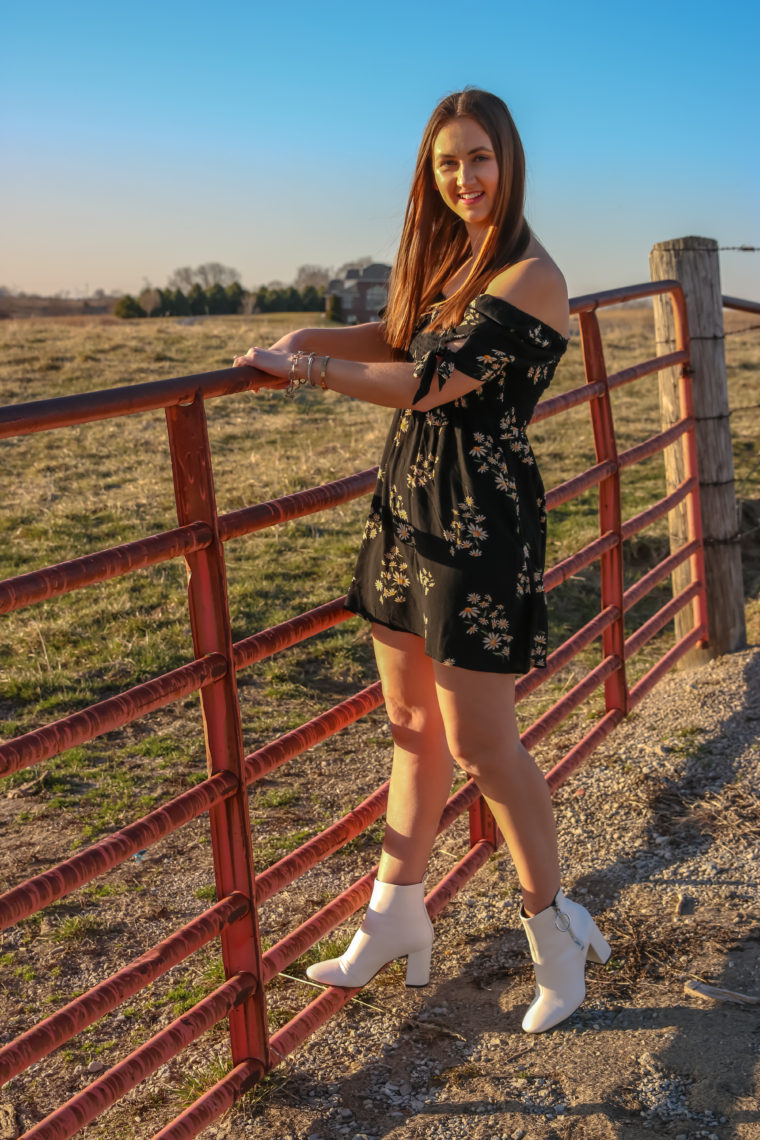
715,248
745,481
735,332
744,408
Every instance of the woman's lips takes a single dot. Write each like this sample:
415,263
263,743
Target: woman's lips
473,197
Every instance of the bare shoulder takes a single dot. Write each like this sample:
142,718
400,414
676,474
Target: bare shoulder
535,285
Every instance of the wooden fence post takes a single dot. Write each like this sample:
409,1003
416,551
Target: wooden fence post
693,261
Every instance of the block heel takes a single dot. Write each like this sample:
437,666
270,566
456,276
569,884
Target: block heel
598,947
418,967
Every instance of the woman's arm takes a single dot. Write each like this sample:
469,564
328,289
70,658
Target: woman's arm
356,342
534,286
391,384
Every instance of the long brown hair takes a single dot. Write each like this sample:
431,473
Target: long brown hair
434,241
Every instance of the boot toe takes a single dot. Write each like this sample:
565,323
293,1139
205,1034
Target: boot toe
549,1010
327,973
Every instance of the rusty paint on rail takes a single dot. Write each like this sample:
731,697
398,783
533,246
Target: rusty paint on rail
198,539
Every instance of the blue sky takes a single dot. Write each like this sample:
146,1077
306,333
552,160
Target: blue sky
140,137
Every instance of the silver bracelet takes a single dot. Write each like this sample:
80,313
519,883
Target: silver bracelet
295,382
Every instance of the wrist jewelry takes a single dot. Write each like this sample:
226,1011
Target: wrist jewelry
295,382
323,376
310,361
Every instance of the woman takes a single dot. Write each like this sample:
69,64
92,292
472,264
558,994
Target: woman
450,569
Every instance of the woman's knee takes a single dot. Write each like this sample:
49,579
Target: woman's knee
409,691
484,759
415,725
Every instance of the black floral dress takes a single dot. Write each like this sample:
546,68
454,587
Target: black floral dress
453,549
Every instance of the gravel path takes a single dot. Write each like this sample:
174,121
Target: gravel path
659,838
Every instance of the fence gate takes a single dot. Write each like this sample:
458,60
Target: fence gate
199,538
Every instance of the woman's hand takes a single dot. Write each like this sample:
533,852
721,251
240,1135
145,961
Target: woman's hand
274,376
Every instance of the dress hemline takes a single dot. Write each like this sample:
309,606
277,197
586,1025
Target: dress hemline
513,670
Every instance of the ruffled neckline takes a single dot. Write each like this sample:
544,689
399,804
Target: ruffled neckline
505,313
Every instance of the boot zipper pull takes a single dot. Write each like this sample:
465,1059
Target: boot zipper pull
562,923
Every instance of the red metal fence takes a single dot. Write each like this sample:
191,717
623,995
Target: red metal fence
199,538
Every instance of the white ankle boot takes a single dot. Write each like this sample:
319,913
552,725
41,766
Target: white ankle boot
396,925
560,939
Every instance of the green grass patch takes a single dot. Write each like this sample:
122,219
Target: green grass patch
76,928
277,797
184,996
194,1084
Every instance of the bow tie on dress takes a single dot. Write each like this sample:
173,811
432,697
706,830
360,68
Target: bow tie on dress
441,361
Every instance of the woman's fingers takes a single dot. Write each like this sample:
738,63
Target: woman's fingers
270,366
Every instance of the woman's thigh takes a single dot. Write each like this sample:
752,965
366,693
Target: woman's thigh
478,711
409,687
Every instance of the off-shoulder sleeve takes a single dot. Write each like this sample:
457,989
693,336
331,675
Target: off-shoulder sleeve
493,336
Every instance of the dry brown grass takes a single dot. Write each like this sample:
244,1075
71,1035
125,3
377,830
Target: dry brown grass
85,488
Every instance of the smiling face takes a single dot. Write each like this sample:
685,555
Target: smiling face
466,171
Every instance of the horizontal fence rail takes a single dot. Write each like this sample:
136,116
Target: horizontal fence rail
199,538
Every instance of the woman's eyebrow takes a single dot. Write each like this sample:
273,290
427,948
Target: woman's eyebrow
474,150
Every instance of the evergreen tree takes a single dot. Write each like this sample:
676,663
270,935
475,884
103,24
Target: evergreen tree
127,307
235,294
312,299
180,304
292,300
165,307
197,301
217,300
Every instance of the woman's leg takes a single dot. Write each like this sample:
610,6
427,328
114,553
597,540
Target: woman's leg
422,765
396,923
478,711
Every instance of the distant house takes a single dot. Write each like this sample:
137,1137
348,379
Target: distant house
361,292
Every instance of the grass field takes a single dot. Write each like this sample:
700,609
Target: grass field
84,488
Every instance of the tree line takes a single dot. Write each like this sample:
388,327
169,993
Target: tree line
215,289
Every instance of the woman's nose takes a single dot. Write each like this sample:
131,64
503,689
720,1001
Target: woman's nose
465,175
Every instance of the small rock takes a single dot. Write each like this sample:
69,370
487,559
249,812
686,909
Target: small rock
9,1125
685,904
518,1134
95,1067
